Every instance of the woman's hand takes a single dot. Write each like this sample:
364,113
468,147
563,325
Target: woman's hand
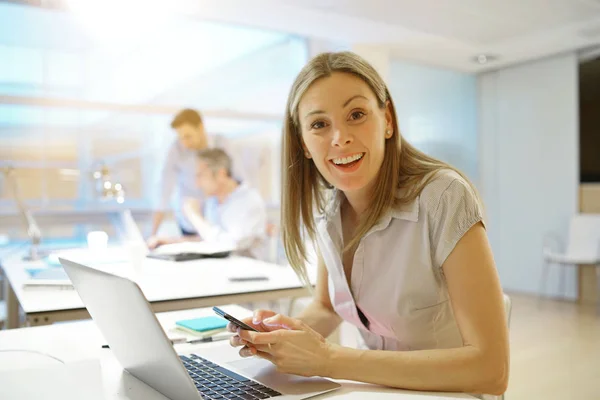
291,345
255,321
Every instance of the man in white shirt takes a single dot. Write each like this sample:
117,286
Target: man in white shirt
232,211
179,171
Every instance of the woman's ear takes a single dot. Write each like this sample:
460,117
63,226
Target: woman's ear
389,120
305,150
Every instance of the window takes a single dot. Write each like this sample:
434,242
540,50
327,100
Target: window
74,100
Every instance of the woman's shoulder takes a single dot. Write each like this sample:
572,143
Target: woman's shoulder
445,183
451,207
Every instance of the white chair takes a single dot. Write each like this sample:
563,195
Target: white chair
2,314
582,248
2,301
507,308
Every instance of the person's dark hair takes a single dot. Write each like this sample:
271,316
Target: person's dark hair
186,116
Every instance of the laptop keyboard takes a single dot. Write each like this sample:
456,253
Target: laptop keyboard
217,383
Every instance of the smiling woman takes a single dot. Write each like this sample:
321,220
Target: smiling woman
346,136
403,252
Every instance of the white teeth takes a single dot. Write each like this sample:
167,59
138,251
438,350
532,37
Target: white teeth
347,160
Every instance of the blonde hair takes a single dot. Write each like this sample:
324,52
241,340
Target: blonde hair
303,187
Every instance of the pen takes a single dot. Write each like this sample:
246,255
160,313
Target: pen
173,341
203,340
209,339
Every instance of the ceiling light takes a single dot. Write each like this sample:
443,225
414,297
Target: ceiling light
484,59
115,21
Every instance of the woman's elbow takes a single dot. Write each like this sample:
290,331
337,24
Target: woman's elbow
498,383
495,379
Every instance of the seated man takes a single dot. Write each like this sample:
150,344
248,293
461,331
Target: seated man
232,211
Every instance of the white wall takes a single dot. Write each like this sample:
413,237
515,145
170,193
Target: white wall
437,112
529,162
378,56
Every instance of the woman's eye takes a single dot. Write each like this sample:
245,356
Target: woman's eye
318,125
356,115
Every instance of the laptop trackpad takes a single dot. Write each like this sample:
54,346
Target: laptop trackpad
266,373
250,364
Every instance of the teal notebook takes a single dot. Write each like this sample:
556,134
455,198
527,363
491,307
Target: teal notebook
203,324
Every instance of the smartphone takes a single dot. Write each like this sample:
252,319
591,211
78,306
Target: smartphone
233,320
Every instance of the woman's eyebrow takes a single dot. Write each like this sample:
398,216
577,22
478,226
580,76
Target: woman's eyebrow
354,97
344,105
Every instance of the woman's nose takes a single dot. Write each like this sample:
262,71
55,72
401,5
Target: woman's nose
341,137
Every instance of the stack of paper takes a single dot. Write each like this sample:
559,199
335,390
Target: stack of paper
47,277
202,327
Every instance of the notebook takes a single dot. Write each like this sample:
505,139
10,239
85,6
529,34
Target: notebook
203,326
191,251
47,277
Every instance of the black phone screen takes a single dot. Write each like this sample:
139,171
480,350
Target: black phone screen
233,320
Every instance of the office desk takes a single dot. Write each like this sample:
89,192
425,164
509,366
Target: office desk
167,285
77,342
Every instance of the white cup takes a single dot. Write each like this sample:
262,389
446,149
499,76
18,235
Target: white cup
137,254
97,241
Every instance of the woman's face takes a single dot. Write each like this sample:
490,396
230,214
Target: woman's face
344,131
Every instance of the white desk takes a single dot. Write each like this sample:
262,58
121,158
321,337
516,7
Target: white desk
77,342
167,285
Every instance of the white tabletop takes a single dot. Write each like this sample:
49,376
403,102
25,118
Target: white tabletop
160,280
79,345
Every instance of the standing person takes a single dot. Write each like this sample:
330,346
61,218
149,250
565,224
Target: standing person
403,250
179,171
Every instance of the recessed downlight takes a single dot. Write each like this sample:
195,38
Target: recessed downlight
484,59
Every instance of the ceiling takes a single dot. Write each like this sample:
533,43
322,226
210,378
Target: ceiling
448,33
59,71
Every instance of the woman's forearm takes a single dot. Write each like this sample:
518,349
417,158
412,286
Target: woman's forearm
320,318
464,369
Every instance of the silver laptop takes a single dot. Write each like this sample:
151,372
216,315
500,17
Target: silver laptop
125,318
129,231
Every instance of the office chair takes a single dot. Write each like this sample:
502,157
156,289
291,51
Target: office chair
2,314
582,249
